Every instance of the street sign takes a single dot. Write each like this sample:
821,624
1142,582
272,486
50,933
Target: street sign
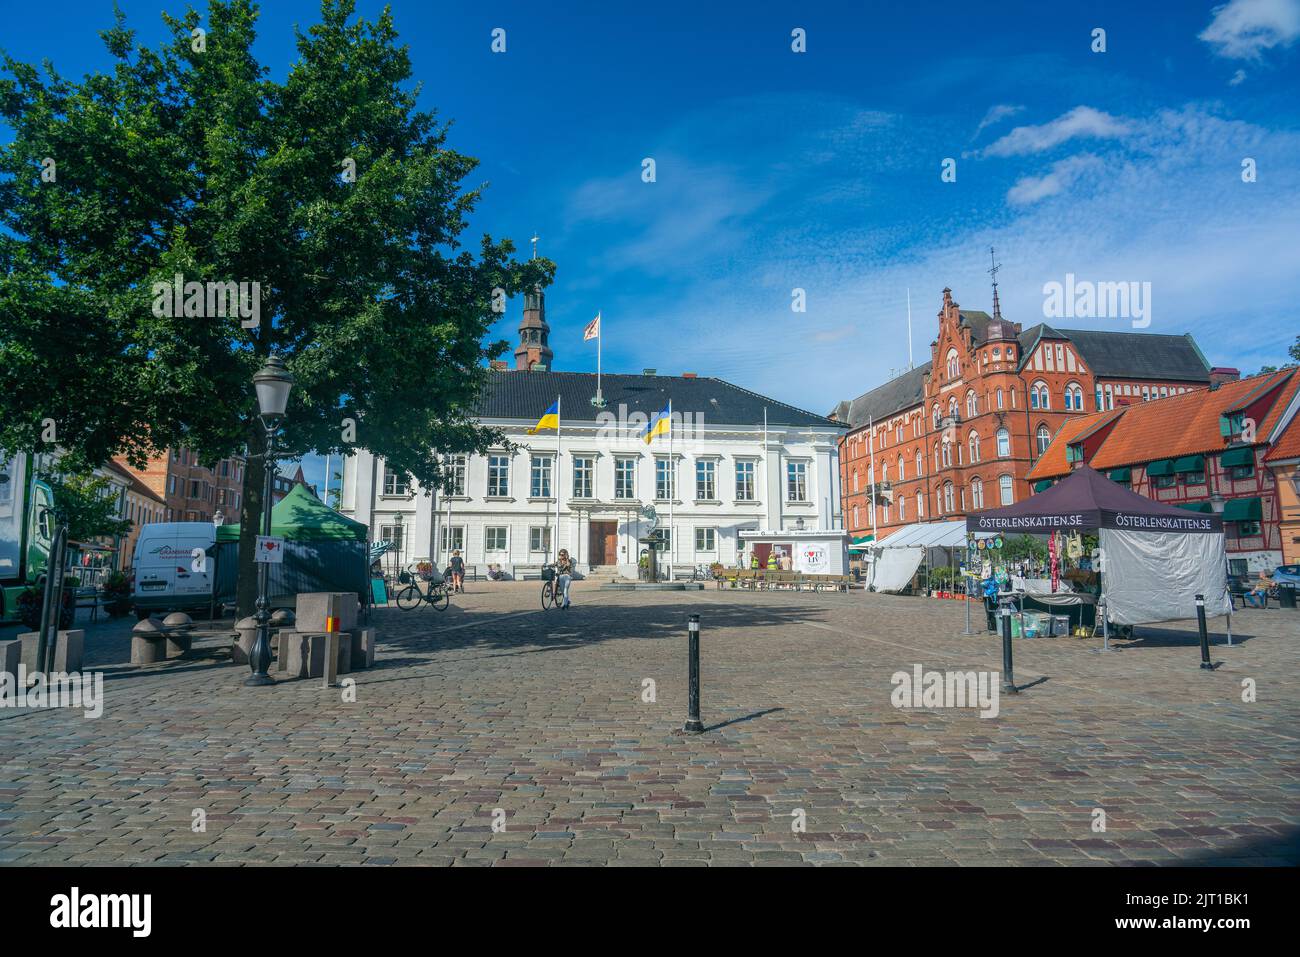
270,550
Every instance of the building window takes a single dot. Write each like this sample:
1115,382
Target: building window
706,539
1004,443
706,486
999,398
394,534
540,486
745,481
1110,398
954,366
976,494
947,452
902,475
1006,491
539,538
583,470
1039,396
919,459
972,405
665,479
796,481
920,505
625,478
394,484
498,483
884,473
1245,529
494,538
1044,438
974,447
936,415
452,539
456,466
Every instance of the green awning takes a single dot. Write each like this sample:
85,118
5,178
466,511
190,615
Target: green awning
861,542
1190,463
1121,475
1243,510
1196,506
1237,457
1161,467
1044,484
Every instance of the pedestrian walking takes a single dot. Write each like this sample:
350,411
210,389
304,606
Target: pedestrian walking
564,573
457,572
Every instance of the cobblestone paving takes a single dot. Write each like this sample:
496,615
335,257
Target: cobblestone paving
495,704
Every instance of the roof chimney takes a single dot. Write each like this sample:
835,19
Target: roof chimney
688,375
649,371
1221,374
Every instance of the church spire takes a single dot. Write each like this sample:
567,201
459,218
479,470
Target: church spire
997,309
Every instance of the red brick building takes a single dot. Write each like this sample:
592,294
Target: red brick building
962,432
193,492
1216,458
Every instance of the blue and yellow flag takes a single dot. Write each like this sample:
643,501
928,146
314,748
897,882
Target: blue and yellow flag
550,419
660,423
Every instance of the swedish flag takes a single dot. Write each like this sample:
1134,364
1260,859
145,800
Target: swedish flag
550,419
660,423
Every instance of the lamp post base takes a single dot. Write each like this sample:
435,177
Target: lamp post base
258,681
693,727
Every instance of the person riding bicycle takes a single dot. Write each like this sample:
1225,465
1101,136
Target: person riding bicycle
564,575
457,572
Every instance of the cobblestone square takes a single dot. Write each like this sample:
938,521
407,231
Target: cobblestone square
496,710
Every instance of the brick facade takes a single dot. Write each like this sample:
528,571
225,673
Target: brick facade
193,492
965,434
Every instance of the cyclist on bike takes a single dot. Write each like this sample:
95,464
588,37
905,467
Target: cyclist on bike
564,575
457,572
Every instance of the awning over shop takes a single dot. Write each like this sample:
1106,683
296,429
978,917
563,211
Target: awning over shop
1243,510
861,543
1190,463
1237,457
1197,506
1123,475
1161,467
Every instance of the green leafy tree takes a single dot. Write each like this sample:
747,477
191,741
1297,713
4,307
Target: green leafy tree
87,505
331,190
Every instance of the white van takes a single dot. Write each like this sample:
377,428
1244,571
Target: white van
170,575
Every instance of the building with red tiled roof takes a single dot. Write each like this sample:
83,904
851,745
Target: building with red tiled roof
1234,449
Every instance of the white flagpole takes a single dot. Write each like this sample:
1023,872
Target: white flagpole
672,494
555,479
599,332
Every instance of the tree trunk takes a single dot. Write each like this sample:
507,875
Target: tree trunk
250,521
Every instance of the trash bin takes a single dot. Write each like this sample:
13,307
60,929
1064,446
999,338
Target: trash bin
1286,595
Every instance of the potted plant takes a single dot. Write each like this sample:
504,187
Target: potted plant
29,604
117,594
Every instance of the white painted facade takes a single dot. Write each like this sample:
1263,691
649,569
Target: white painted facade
795,477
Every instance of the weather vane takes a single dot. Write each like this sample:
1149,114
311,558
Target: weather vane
534,245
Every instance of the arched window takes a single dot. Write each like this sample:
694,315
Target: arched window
1005,492
919,470
947,497
936,415
855,480
1100,403
920,505
973,443
1074,396
936,457
856,524
976,494
901,473
1110,398
1004,443
999,398
952,408
1039,396
1044,438
947,452
884,473
902,508
954,366
972,405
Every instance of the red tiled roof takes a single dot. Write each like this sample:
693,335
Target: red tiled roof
1053,461
1287,445
1186,424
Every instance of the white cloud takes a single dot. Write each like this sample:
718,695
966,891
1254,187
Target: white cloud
1238,78
996,114
1030,189
1082,121
1243,29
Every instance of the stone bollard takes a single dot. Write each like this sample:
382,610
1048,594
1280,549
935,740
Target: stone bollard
148,644
245,636
363,647
316,608
28,641
69,651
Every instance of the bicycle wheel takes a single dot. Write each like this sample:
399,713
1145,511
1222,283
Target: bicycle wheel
548,595
409,597
439,597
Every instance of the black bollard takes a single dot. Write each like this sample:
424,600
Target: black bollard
1205,634
1008,672
693,723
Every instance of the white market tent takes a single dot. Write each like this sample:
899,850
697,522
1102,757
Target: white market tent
899,556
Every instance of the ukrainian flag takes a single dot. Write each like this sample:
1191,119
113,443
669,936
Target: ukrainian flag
660,423
550,419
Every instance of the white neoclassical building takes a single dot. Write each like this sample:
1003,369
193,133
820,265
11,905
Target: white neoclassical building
738,463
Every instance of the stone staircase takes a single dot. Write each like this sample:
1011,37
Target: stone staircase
604,575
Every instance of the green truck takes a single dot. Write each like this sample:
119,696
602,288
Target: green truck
26,530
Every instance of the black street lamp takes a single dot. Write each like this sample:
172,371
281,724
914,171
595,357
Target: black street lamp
272,384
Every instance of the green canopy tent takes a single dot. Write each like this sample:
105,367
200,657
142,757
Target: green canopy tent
324,551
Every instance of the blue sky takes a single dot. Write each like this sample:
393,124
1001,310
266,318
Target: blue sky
821,170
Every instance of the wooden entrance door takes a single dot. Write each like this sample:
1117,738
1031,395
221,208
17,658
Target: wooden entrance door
602,543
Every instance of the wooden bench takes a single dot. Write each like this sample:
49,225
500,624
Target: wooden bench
88,596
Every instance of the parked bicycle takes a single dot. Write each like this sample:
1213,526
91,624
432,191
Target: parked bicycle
436,592
550,595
